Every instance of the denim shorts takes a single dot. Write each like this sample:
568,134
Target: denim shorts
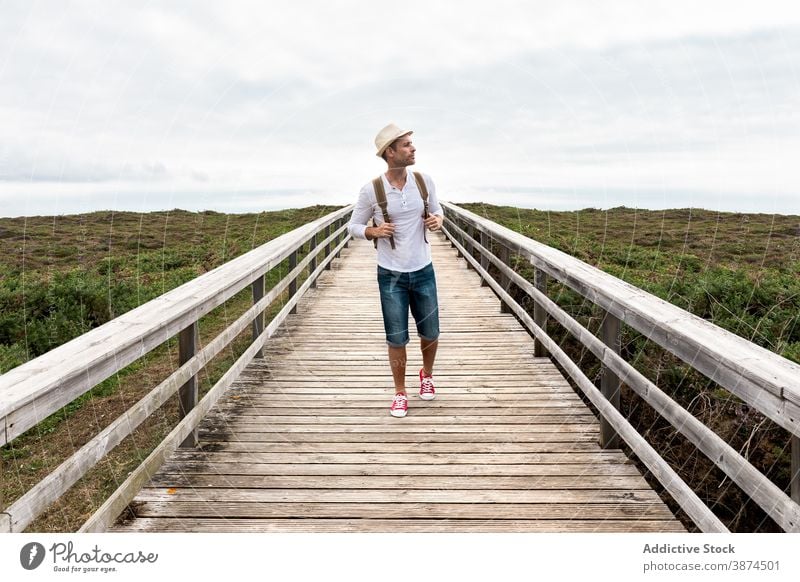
416,290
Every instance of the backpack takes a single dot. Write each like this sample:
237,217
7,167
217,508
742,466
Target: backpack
380,195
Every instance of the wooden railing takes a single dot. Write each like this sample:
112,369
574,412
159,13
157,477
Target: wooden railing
33,391
763,379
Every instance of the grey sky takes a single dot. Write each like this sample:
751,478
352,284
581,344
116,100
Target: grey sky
247,106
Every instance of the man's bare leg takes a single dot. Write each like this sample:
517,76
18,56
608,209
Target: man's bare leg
397,360
428,348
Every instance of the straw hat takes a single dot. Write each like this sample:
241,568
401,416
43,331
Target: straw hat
387,135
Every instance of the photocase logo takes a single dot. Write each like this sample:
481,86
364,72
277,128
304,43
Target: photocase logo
32,555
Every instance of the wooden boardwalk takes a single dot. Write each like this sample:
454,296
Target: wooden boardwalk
303,441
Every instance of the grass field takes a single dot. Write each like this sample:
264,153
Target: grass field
740,271
61,276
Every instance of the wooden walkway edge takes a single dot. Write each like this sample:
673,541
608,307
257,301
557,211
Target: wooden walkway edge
303,440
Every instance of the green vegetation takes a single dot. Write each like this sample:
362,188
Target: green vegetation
62,276
740,271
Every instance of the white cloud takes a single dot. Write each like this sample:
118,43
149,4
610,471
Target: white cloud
244,97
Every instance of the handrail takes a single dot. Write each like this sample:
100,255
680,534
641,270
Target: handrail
774,501
31,392
194,297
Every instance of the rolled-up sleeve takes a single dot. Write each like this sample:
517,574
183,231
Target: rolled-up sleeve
361,214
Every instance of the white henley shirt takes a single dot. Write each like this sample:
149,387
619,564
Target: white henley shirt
405,208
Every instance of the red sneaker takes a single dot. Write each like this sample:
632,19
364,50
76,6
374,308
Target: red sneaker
427,391
399,406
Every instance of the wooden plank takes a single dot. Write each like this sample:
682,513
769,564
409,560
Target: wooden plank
463,333
368,324
399,447
400,428
444,381
795,469
458,371
600,457
181,481
258,322
307,510
375,366
313,264
539,313
472,392
293,374
347,353
304,372
379,399
248,409
188,393
397,525
386,420
333,398
298,350
383,396
381,390
324,409
211,439
521,496
222,468
293,283
610,382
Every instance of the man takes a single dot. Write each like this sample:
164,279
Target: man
405,271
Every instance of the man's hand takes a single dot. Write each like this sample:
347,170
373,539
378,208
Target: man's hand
384,230
434,222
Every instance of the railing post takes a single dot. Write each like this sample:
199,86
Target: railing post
452,235
293,282
503,255
328,247
258,322
187,396
610,382
795,494
468,242
312,266
338,238
539,313
484,259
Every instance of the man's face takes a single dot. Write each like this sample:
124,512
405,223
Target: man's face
401,153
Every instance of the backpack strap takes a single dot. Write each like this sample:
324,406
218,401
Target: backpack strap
380,196
423,192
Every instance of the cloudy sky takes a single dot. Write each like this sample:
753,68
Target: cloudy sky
245,106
